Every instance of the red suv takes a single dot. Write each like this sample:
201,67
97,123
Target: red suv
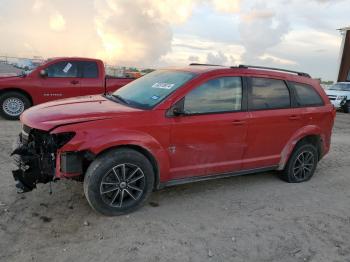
175,126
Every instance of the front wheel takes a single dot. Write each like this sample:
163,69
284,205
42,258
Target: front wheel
13,104
302,164
118,182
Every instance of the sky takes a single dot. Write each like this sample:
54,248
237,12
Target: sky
294,34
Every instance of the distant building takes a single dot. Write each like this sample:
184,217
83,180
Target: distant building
344,63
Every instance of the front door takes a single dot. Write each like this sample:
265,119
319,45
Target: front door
210,137
62,81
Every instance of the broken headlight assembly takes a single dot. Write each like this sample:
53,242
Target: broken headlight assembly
62,138
35,156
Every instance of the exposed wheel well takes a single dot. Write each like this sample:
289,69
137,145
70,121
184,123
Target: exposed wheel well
143,151
14,89
315,140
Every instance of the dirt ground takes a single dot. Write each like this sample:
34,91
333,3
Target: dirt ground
248,218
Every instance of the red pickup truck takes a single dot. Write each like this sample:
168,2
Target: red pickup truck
55,79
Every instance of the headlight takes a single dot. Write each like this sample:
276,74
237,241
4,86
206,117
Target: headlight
63,138
341,97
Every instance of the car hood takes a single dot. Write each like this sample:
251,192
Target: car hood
73,110
337,92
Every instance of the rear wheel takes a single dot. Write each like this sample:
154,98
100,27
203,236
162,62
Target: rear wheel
13,104
302,164
118,182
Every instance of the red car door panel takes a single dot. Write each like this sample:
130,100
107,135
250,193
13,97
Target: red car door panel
211,137
268,133
273,122
62,81
207,144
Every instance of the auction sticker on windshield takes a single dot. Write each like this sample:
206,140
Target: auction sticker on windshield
163,85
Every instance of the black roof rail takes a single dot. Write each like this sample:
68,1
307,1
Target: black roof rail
199,64
274,69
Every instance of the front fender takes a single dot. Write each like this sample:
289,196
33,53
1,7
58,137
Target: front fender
297,136
97,141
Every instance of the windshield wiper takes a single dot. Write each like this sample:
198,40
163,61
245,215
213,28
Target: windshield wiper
119,98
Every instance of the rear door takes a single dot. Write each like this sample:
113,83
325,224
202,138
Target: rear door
273,122
62,81
211,137
92,81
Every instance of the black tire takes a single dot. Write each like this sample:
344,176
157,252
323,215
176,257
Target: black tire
295,171
346,107
19,99
101,185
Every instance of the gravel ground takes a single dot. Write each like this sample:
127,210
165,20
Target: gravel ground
248,218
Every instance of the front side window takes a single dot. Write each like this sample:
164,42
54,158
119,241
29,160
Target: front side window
89,69
267,94
306,95
153,88
63,69
217,95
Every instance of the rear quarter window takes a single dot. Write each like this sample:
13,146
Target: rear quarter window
306,95
89,69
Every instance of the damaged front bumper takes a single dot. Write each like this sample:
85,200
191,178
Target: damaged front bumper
36,164
35,154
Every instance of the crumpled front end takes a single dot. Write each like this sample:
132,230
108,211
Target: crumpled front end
35,155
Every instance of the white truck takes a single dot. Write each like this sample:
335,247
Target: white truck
339,95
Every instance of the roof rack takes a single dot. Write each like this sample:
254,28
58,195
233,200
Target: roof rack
274,69
198,64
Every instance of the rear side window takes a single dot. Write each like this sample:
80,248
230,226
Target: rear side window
63,69
267,94
89,69
306,95
217,95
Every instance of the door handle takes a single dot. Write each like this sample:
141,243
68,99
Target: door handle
74,82
294,117
238,122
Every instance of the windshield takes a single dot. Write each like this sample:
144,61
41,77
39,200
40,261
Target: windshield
340,87
152,88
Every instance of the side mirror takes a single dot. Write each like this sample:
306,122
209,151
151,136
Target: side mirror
43,73
177,111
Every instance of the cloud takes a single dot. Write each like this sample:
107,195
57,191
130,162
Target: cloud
141,37
168,32
193,58
144,35
217,58
227,6
37,6
57,22
261,29
271,59
258,15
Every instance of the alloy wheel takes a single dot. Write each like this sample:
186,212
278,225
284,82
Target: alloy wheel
13,106
123,185
304,165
